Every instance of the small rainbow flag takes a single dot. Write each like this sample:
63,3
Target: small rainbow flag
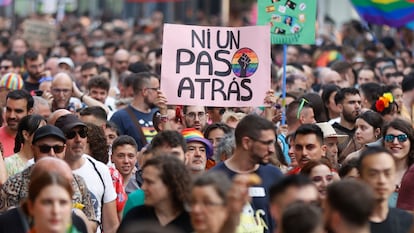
394,13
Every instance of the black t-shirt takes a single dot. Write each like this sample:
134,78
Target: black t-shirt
14,220
30,86
259,193
147,214
397,221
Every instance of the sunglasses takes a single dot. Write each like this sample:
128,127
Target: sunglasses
72,134
46,148
320,178
390,137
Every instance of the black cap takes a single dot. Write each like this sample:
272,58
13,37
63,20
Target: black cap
48,131
68,122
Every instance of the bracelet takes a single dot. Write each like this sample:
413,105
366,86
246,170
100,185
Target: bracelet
81,98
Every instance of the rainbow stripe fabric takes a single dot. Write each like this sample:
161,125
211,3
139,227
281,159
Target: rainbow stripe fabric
394,13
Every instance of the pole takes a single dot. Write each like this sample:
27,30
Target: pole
283,121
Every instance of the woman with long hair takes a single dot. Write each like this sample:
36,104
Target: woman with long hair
166,188
320,172
23,143
49,204
368,129
398,136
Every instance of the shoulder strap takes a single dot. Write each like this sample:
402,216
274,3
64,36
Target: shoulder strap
137,125
104,189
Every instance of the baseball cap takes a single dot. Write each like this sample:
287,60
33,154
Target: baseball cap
193,135
68,122
48,131
67,61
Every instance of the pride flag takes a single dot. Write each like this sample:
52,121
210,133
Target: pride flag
394,13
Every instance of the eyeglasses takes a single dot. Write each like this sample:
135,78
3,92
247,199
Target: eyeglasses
5,67
153,88
266,143
390,137
57,91
82,133
396,74
203,204
46,148
317,179
192,115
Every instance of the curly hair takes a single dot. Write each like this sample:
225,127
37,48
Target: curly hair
405,127
97,143
175,176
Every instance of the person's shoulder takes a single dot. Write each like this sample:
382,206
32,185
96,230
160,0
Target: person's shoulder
269,168
401,214
98,164
119,113
141,210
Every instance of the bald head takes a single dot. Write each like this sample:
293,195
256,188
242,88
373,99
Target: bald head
52,164
56,114
61,90
329,76
121,60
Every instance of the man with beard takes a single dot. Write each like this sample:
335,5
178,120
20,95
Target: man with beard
34,63
348,206
19,103
349,102
377,169
255,144
198,151
136,119
96,174
308,145
195,117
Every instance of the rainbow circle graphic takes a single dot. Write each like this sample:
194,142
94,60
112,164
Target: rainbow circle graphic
244,63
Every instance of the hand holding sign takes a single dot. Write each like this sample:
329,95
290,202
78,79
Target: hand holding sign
161,102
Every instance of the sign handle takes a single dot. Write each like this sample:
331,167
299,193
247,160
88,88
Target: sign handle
283,121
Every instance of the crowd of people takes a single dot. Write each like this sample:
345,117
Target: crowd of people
90,144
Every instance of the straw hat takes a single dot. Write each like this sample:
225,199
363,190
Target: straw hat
329,132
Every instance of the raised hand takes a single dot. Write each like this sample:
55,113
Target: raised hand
244,62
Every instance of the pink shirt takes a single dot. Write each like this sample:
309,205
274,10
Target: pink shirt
7,141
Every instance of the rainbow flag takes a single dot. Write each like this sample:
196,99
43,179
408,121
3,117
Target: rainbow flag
394,13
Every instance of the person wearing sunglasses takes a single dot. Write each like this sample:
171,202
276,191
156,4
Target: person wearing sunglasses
320,172
96,174
398,136
48,141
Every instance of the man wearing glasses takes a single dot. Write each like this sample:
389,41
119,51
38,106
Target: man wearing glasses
195,117
95,173
63,90
136,120
48,141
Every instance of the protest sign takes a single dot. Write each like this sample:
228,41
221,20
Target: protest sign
291,21
215,66
41,32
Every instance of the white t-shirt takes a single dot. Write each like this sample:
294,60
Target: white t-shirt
94,183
